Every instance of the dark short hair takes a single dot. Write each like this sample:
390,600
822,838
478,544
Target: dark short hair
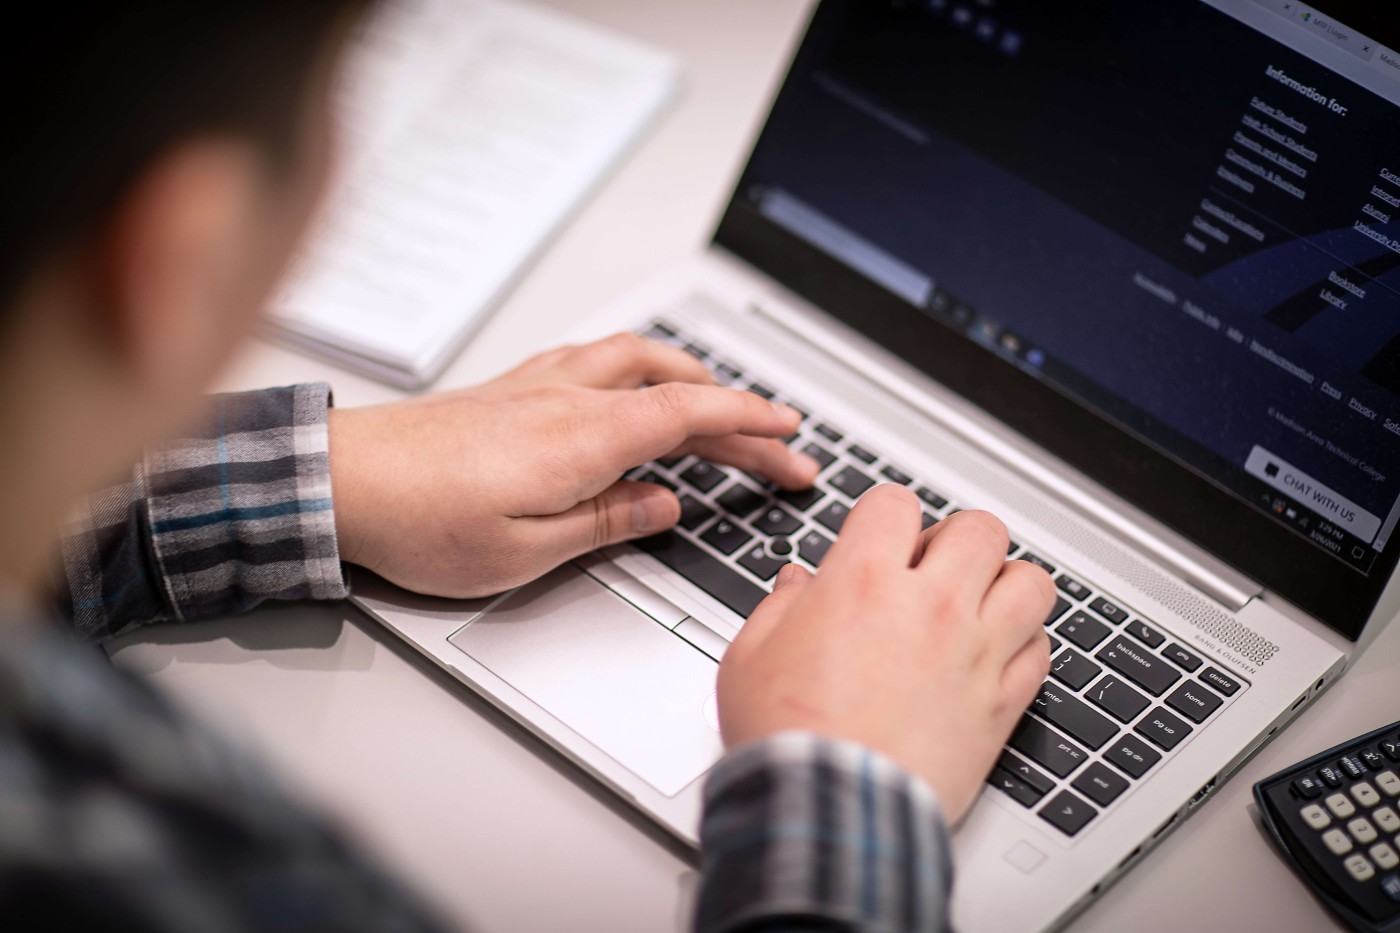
92,91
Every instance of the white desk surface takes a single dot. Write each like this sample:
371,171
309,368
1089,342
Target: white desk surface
477,815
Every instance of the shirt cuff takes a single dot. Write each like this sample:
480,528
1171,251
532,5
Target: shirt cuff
240,510
799,828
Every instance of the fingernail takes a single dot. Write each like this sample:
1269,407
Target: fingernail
651,514
785,575
784,410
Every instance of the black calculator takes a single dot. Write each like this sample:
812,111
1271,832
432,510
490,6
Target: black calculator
1336,818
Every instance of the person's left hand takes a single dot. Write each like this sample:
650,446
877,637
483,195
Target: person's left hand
472,492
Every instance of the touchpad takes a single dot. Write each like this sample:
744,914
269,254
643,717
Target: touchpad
605,669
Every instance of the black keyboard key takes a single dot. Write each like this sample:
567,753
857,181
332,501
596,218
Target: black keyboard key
697,351
725,536
931,498
1084,630
709,573
820,454
1162,729
1331,776
801,499
762,391
740,500
802,415
1061,607
1039,561
1371,758
850,481
833,516
694,513
670,463
1073,587
1015,788
1308,787
1391,749
1148,671
861,454
1110,611
1194,702
896,475
651,476
1055,644
1131,755
1144,633
1046,747
1100,784
1059,706
1181,657
1013,765
1117,698
1221,681
703,475
1072,668
757,562
813,547
777,521
660,330
781,547
1012,547
728,372
926,521
1068,813
830,433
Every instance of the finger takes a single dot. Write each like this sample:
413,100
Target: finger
882,529
784,467
1023,675
623,511
626,361
1015,607
791,581
636,427
967,553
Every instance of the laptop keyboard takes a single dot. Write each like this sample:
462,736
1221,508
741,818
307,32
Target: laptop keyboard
1122,695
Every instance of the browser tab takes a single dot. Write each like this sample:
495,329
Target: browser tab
1325,27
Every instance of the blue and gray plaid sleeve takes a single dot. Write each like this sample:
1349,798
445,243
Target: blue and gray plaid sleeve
806,833
235,512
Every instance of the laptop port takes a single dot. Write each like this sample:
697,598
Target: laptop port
1131,855
1167,825
1204,792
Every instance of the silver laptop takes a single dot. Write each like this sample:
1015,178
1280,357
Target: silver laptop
1125,275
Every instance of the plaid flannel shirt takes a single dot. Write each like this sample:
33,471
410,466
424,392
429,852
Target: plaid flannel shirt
119,810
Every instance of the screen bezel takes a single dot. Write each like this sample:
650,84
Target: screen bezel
1237,533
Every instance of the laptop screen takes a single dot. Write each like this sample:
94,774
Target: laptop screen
1183,217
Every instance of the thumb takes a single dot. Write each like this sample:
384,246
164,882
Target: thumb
792,581
623,511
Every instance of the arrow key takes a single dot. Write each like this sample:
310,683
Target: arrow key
1013,765
1067,813
1015,788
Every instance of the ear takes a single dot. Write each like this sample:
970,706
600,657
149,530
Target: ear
173,262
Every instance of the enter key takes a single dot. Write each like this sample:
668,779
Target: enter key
1147,670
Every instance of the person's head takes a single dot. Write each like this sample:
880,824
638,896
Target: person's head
160,161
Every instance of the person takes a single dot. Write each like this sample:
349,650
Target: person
162,163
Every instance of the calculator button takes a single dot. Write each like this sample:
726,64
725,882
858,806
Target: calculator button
1362,831
1330,776
1391,749
1351,766
1365,795
1389,783
1387,820
1315,817
1360,867
1340,806
1307,787
1372,758
1390,884
1384,856
1336,842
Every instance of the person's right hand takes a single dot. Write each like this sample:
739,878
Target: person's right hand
924,647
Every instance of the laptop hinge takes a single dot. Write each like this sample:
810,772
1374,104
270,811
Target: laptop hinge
903,385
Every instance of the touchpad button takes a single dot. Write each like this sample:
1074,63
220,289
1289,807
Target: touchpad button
606,670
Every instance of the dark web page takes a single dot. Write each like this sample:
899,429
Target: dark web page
1171,216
